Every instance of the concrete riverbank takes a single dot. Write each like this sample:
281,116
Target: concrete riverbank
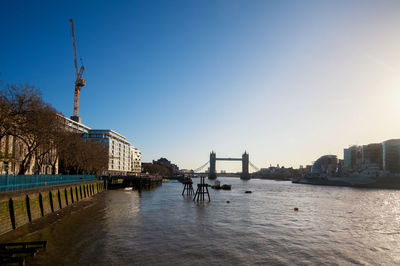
22,207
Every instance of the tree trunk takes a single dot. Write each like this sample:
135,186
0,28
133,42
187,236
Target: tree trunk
25,163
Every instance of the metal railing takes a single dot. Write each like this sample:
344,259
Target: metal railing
20,182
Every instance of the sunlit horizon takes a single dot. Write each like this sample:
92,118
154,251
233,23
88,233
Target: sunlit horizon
285,81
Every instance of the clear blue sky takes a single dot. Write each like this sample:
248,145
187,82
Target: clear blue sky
287,81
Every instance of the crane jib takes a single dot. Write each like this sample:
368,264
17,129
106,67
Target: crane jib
79,81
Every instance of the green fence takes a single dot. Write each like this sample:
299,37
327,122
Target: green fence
19,182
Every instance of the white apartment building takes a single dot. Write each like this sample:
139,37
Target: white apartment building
123,158
136,161
73,126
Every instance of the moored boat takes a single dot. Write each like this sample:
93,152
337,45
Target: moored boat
389,181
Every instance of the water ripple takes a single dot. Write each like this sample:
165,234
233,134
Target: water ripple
334,226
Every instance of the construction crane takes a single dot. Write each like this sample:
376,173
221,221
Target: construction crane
79,82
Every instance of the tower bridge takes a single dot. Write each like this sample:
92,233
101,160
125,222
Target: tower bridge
212,173
245,165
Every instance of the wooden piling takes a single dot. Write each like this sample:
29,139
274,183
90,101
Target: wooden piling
12,215
72,195
202,189
41,204
76,193
188,187
28,208
59,198
66,196
51,201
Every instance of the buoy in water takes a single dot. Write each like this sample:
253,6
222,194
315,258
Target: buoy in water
228,201
296,209
247,191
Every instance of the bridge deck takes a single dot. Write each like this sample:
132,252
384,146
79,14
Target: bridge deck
228,159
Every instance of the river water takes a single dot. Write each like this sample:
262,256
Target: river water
334,226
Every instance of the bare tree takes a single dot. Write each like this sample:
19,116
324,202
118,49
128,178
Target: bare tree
80,157
5,115
5,123
96,158
18,104
61,139
25,116
46,131
42,136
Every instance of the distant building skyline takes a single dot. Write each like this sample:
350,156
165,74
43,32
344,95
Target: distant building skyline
287,81
381,156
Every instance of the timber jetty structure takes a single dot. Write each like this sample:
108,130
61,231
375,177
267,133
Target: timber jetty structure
136,182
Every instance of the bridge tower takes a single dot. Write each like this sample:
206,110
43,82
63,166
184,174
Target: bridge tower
212,174
245,166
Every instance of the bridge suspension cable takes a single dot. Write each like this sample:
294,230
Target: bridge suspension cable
201,167
254,167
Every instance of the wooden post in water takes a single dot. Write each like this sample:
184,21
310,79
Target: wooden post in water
188,187
202,189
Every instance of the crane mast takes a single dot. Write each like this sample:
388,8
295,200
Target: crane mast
79,81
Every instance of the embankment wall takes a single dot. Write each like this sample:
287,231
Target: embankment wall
21,207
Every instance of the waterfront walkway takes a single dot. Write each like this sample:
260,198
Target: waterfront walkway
20,182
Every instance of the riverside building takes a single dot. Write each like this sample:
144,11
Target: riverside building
123,158
380,156
73,126
327,164
136,161
391,155
13,151
353,157
372,154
